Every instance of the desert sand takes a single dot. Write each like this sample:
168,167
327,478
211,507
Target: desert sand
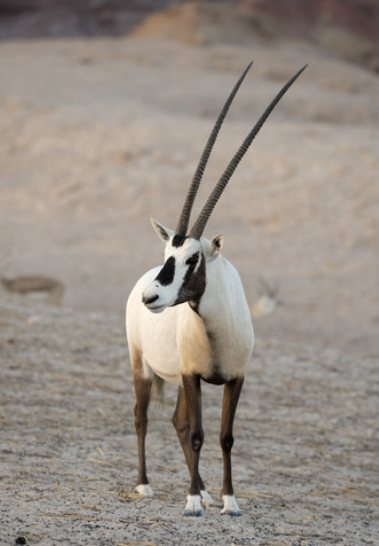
97,136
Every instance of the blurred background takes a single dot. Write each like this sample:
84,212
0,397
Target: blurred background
105,106
349,28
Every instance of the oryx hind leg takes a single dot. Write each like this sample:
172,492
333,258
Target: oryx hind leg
182,427
142,388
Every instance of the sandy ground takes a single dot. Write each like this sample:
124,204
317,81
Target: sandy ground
305,460
98,135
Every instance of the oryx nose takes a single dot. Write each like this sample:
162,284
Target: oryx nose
149,299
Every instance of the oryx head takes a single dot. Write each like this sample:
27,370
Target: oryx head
183,275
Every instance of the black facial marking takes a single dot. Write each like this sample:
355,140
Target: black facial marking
194,284
167,273
178,240
192,260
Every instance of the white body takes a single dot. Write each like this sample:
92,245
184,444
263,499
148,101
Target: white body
215,341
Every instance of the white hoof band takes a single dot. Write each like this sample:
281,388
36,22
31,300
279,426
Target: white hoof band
206,498
144,490
231,507
193,506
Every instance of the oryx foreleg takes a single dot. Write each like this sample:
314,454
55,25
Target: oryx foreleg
232,391
182,426
192,393
143,391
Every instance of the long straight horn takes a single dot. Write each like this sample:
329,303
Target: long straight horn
182,226
199,226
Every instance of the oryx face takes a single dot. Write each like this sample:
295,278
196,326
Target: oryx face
183,275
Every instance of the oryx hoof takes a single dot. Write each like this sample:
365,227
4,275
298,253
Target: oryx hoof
231,507
144,490
193,506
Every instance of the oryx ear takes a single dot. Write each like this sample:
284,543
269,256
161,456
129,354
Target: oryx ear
163,232
216,244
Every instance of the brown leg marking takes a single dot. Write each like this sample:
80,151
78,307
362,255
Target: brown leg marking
182,427
143,390
192,393
232,391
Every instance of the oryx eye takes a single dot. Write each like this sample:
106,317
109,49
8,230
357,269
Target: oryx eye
192,260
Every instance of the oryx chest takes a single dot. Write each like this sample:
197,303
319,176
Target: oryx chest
216,357
182,345
227,360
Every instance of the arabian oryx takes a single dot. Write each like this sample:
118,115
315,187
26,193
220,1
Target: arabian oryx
188,321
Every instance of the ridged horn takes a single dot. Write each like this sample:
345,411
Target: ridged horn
199,226
182,226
